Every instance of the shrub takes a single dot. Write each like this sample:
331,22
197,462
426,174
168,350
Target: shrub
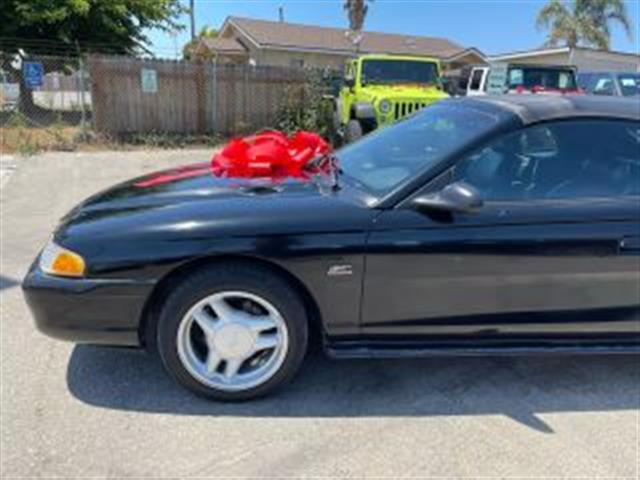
308,106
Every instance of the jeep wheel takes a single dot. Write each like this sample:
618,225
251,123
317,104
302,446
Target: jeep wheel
353,131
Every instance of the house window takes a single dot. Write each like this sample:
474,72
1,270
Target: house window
297,62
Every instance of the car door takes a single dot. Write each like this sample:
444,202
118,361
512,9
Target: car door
476,82
553,253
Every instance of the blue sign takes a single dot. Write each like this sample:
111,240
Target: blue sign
32,73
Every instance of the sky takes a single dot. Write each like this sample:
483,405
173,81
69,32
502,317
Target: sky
493,26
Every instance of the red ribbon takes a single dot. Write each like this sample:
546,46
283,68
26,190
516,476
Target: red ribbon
269,154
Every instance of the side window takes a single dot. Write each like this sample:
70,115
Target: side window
476,80
603,86
565,80
567,159
629,84
516,77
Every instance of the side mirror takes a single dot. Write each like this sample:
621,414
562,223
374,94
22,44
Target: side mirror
350,82
458,197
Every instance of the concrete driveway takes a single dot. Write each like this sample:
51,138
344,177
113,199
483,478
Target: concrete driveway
79,411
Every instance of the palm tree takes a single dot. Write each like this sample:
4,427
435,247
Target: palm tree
357,11
583,22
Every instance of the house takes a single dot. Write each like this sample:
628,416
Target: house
262,42
585,59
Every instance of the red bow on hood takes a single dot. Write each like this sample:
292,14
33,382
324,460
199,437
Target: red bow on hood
269,154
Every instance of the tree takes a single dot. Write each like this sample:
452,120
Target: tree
190,50
356,11
63,27
114,26
583,22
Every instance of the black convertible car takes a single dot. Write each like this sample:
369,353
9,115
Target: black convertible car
481,225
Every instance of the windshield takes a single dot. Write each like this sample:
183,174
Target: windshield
629,84
528,78
391,156
398,71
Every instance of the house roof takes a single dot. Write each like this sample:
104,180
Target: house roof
553,51
223,45
291,36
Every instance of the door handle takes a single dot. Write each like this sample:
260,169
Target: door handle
630,244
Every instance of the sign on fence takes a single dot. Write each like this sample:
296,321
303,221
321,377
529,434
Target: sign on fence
33,73
149,80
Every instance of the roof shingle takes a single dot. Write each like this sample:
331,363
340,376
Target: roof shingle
309,37
223,45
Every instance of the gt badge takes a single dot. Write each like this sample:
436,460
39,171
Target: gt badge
340,270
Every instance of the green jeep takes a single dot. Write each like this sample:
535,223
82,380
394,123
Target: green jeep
381,89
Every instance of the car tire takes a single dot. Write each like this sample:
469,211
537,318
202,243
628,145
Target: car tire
353,131
185,349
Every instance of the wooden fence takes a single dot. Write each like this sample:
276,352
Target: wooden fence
145,95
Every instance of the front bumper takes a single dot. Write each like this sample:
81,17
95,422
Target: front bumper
94,311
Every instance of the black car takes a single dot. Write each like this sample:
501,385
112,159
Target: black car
487,225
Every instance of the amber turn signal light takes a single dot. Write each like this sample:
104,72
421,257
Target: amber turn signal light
56,260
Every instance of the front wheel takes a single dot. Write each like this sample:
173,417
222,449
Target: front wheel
232,333
353,131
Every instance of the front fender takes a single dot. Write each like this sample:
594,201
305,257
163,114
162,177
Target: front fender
364,111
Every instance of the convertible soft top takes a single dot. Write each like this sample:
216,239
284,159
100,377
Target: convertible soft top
537,108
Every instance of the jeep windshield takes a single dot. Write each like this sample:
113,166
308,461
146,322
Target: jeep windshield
551,78
390,72
388,158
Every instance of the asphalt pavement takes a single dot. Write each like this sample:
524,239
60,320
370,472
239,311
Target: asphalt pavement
78,411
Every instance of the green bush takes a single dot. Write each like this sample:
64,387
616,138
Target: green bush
308,106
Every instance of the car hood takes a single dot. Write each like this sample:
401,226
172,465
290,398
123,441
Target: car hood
191,199
186,184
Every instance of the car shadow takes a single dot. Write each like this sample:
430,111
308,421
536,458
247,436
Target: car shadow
7,282
518,387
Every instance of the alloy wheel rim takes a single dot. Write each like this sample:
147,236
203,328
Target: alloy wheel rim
232,340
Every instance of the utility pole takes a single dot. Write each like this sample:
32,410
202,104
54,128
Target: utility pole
192,15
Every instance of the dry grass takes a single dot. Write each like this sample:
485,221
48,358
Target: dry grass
28,141
24,140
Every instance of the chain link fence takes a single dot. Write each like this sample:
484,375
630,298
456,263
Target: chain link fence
75,98
45,102
45,89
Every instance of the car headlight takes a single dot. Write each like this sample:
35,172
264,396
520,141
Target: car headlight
56,260
384,106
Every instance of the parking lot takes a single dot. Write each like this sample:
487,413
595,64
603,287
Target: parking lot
79,411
